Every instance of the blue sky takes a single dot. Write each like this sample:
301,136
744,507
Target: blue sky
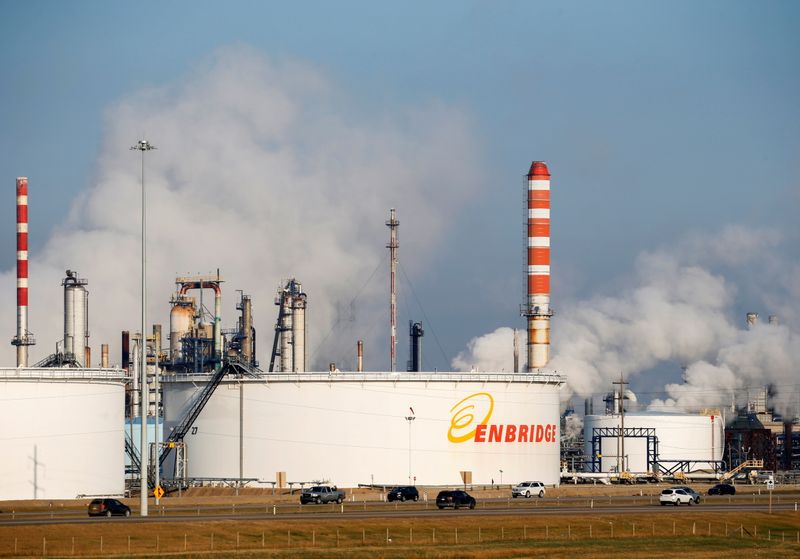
658,120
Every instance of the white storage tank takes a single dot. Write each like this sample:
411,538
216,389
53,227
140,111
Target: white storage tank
62,433
383,428
680,436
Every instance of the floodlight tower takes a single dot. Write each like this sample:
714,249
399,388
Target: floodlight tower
143,146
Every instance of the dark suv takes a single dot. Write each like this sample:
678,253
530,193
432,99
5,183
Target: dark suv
455,499
403,493
107,507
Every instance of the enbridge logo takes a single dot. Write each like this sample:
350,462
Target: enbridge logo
470,422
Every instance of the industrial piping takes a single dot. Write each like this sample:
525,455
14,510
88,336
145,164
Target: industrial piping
212,283
23,339
537,306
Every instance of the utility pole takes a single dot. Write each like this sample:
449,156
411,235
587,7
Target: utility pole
143,146
621,382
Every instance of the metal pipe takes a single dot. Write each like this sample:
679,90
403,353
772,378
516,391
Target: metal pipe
537,305
87,357
23,339
393,245
360,359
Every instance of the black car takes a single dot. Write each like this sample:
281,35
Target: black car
108,507
722,489
455,499
403,493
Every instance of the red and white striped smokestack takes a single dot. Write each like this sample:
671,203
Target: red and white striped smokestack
23,339
537,307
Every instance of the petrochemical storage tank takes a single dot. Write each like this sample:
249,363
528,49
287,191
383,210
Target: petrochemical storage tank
62,433
694,438
382,428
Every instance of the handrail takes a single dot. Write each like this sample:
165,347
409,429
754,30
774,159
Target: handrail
746,465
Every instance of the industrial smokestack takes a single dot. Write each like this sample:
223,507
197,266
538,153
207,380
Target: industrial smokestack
104,356
126,349
415,332
360,360
537,305
23,339
393,245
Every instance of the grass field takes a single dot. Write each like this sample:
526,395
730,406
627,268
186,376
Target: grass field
684,533
699,532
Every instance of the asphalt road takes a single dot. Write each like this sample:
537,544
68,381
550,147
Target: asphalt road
621,505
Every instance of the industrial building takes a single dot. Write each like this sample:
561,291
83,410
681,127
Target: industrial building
210,414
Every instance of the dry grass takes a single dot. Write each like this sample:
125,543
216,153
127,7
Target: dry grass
700,534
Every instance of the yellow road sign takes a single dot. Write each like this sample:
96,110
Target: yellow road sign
158,492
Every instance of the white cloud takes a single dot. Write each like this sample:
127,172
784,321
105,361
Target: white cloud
263,172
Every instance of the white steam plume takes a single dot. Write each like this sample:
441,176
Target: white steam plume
263,171
675,310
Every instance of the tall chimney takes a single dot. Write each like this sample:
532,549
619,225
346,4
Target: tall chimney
393,245
23,339
537,305
104,356
360,360
126,349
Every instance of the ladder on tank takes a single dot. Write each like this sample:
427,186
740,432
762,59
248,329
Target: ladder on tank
179,432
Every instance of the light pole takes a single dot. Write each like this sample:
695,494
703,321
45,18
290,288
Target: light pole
143,146
409,418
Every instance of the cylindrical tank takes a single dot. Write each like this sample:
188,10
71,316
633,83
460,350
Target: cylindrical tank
299,333
286,333
76,316
61,431
351,428
181,322
690,437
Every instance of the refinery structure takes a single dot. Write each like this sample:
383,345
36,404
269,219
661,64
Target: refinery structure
210,412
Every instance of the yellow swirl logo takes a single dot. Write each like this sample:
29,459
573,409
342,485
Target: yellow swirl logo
463,423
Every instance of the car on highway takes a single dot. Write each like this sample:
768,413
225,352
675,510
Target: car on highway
695,495
675,497
403,493
321,494
455,499
722,489
527,489
108,507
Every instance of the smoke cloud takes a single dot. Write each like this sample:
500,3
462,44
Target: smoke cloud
263,172
678,307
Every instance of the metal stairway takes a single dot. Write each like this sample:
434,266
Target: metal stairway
179,432
130,448
746,465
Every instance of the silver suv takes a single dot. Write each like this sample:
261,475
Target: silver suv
527,489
